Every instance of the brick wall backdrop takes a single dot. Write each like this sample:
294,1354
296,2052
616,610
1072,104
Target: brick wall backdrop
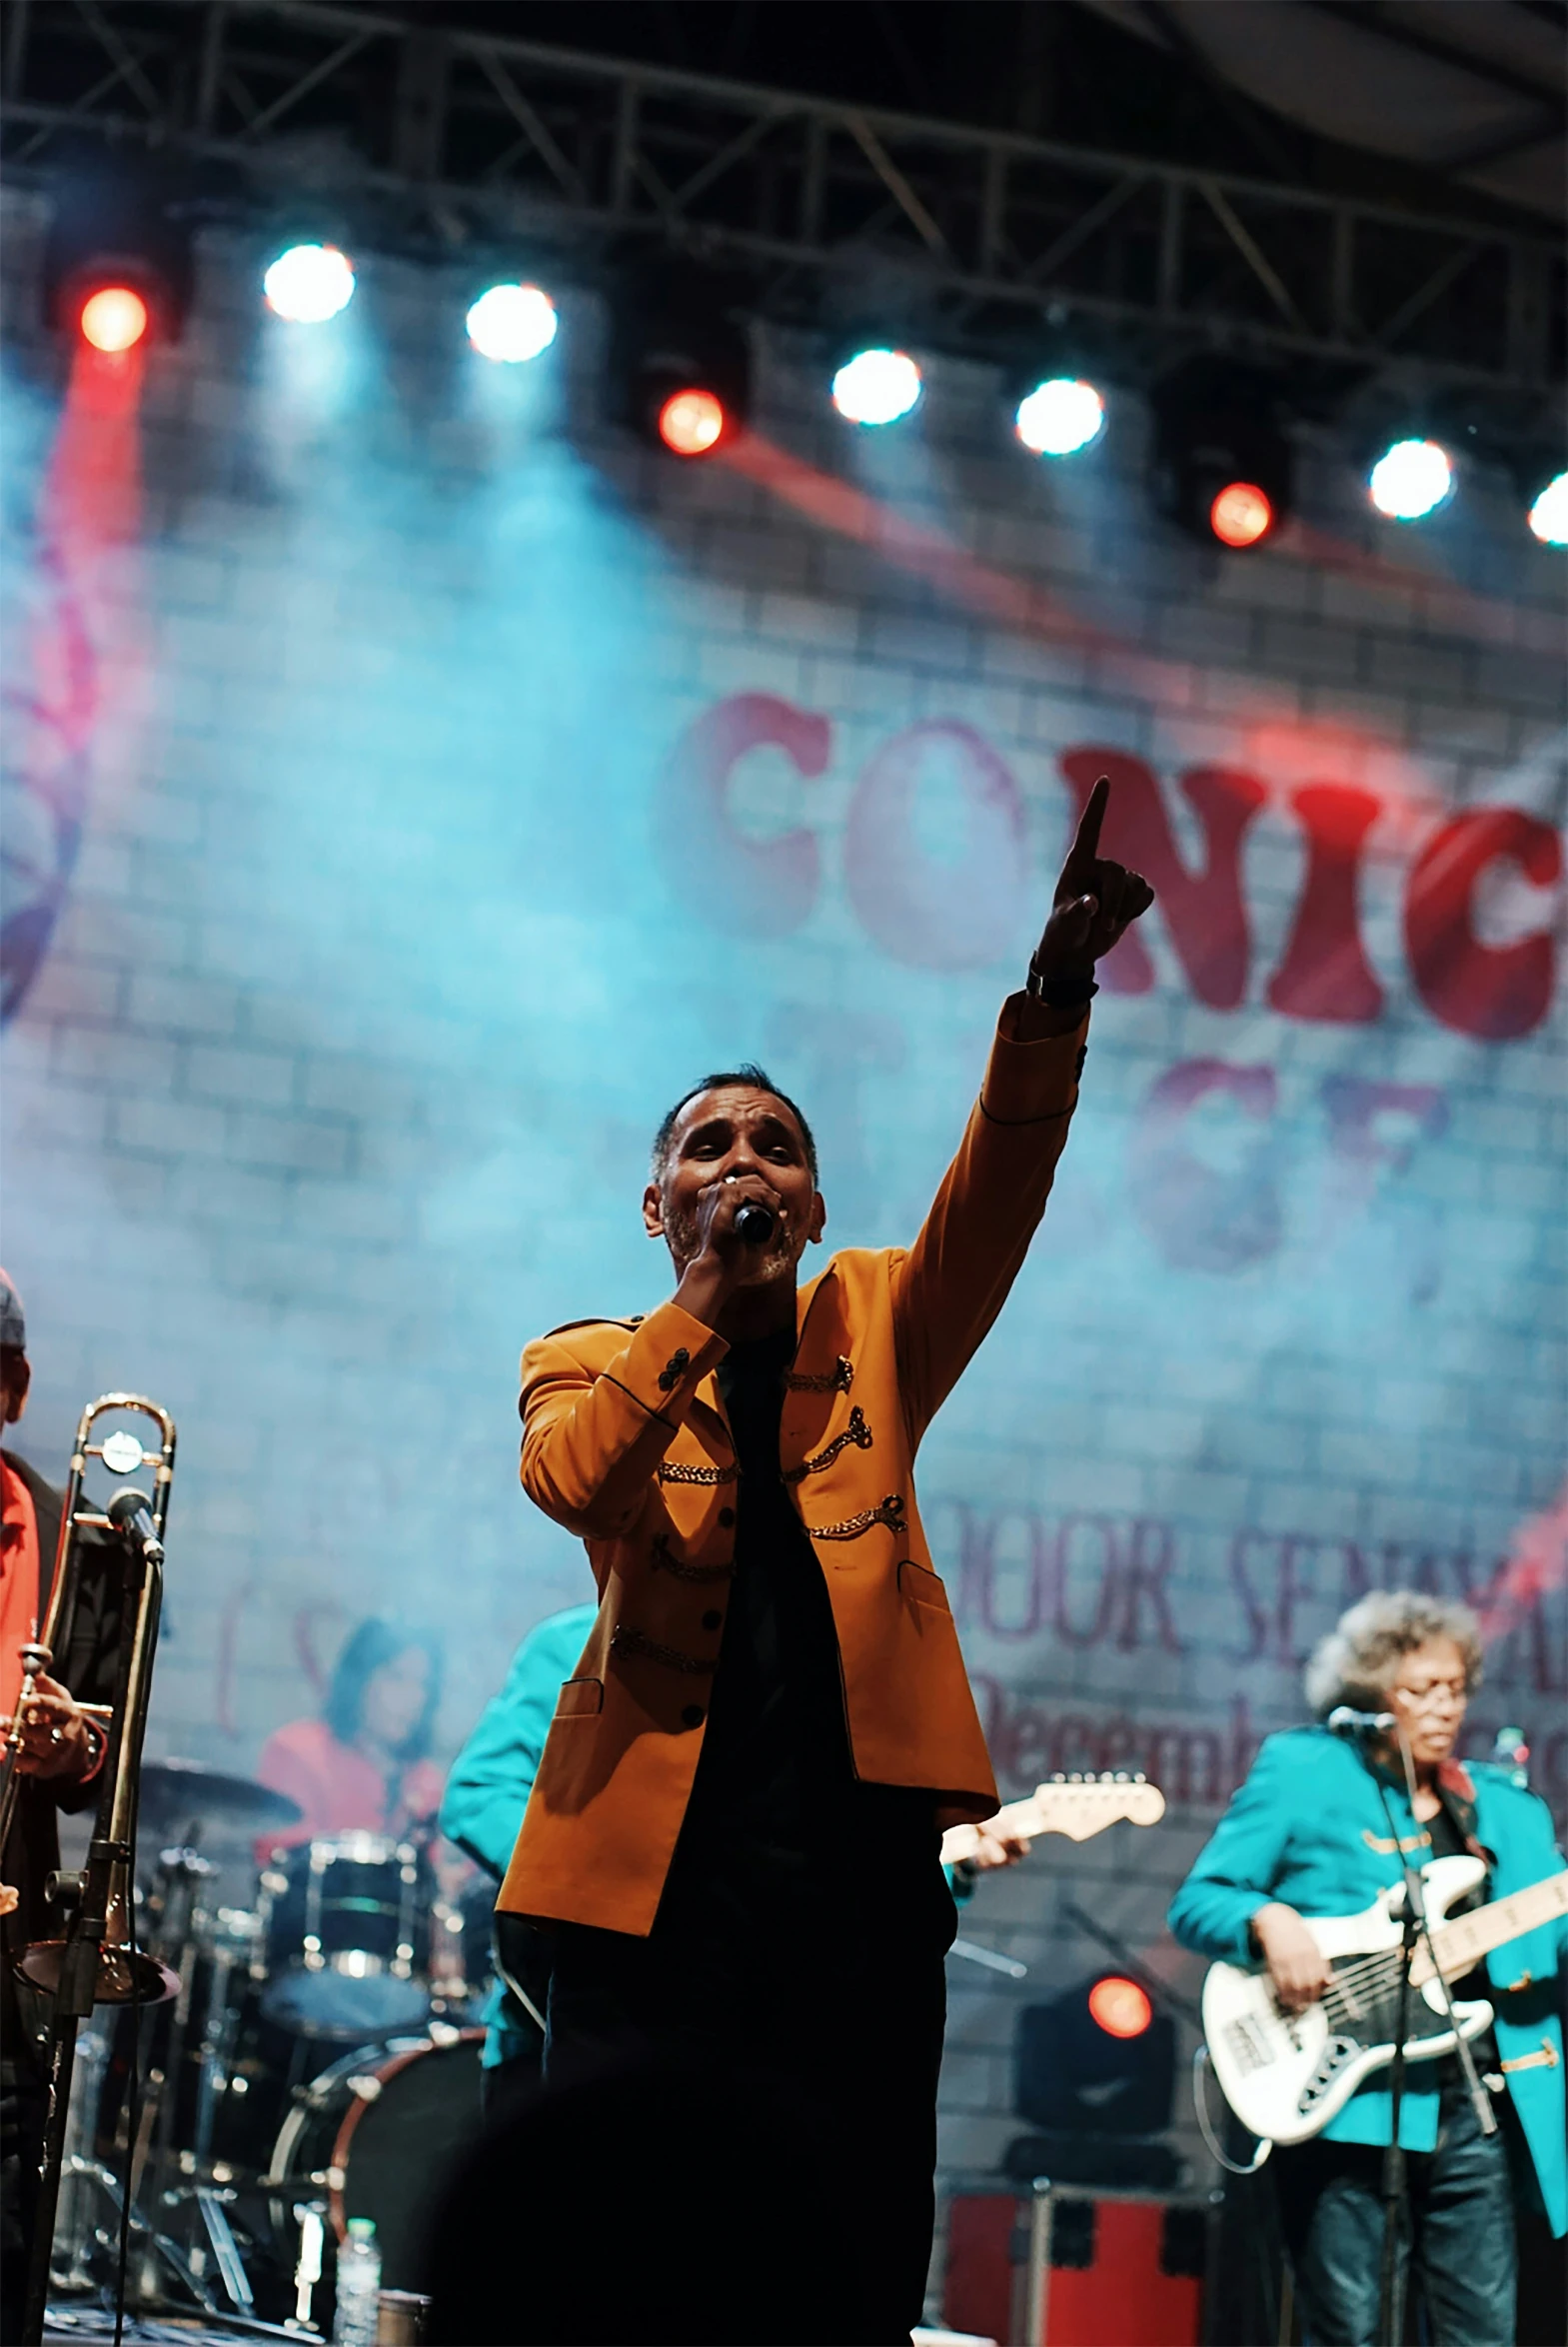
455,782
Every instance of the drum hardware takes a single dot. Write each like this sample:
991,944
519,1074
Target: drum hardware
311,2264
96,1961
79,2170
180,1794
341,1916
367,2132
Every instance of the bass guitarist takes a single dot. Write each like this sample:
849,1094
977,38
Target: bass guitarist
1308,1834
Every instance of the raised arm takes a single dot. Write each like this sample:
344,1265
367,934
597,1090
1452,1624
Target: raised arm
953,1281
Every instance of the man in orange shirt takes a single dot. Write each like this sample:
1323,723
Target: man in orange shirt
61,1754
734,1828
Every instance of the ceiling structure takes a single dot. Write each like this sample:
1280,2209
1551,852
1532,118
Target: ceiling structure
1125,181
1474,91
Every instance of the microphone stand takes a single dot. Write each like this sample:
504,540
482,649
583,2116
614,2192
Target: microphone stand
1414,1925
1481,2100
89,1897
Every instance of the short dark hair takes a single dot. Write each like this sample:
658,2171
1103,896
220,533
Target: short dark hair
754,1078
374,1643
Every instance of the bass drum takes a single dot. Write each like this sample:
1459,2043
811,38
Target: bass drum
373,2137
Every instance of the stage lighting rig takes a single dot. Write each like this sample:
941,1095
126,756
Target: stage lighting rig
877,385
1411,479
680,362
513,324
309,282
117,264
1223,465
1549,512
1094,2072
1060,416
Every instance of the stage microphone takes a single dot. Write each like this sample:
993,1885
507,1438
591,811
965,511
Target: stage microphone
130,1512
1342,1721
755,1223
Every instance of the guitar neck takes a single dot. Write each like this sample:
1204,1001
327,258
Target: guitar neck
1467,1938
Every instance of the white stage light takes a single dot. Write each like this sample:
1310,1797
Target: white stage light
1060,416
1549,514
876,387
1412,480
513,323
310,283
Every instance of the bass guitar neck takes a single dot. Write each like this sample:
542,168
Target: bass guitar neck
1463,1943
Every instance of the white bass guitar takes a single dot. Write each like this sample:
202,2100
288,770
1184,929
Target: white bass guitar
1286,2074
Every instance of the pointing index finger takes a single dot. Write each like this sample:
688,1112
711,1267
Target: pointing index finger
1086,845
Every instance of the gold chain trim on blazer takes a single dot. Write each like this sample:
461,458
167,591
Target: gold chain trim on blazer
1546,2059
665,1562
886,1512
677,1474
837,1379
856,1431
634,1643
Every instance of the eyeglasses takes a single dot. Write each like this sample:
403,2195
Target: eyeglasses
1455,1689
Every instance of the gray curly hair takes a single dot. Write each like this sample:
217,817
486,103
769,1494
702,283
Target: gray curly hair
1355,1664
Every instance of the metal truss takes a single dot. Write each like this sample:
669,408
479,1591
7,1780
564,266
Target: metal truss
438,136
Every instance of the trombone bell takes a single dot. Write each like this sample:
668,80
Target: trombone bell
125,1976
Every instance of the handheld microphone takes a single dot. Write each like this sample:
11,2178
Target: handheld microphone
1343,1721
130,1512
755,1223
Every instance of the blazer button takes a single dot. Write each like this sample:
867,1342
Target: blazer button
726,1516
691,1717
712,1619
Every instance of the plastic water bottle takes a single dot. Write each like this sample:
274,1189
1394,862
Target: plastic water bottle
359,2285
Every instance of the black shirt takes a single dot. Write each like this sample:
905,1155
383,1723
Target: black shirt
778,1823
1449,1842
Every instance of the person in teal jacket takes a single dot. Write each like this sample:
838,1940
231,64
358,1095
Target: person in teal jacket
486,1792
1308,1834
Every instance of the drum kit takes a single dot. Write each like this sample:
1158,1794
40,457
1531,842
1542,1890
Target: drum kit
316,2054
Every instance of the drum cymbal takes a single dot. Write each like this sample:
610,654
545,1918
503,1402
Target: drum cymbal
173,1790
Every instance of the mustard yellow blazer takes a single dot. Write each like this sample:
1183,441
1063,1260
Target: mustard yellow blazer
624,1442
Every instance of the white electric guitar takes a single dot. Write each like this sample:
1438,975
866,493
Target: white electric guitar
1286,2074
1078,1806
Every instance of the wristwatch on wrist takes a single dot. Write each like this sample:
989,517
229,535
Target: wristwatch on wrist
1062,993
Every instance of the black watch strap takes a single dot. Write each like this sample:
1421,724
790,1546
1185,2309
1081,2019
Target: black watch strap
1065,993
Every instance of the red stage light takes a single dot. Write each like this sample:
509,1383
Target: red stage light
1120,2006
691,422
114,318
1240,515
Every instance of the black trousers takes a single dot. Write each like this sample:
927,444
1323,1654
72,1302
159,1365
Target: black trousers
835,2049
1461,2243
24,2102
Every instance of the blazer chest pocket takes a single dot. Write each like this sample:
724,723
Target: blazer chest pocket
921,1583
579,1699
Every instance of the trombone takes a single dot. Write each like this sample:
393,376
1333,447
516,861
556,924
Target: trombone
122,1453
96,1961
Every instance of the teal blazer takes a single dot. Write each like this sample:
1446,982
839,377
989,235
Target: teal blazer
492,1777
1309,1828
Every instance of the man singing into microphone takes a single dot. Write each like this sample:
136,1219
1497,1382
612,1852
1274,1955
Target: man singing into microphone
736,1822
